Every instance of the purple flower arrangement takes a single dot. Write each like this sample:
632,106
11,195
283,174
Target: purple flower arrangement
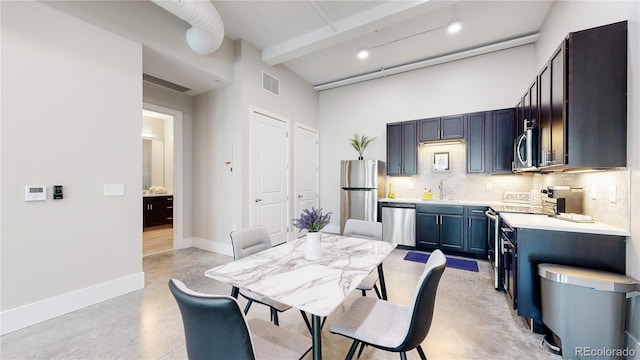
312,221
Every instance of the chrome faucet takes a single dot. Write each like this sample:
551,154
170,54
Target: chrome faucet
441,190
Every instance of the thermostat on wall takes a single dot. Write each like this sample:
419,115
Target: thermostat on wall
35,193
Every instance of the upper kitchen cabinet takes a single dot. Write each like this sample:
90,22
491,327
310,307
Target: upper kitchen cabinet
490,137
583,101
503,131
441,128
402,148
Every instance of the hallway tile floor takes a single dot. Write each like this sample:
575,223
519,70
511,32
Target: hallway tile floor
471,320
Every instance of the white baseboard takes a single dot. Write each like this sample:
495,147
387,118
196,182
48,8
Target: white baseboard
27,315
219,247
183,243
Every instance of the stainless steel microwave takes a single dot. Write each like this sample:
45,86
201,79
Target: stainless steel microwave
525,151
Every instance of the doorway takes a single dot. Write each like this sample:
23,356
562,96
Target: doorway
307,166
162,190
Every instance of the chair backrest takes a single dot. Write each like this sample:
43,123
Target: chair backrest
214,325
363,229
424,300
249,241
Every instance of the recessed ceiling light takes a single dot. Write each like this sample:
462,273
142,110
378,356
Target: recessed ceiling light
454,27
363,54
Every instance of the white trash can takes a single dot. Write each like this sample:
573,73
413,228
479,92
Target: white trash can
585,309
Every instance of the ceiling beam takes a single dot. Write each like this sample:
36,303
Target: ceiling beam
339,31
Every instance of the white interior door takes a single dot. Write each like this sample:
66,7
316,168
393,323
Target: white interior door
306,169
270,175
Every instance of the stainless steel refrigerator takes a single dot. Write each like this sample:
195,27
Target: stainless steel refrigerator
362,183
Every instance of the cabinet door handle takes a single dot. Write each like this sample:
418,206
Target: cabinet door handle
469,221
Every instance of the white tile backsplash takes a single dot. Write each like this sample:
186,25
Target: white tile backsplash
480,187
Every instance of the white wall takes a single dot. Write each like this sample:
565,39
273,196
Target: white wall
568,16
222,132
491,81
71,115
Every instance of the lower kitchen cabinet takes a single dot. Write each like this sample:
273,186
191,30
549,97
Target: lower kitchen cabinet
476,231
460,230
157,210
439,227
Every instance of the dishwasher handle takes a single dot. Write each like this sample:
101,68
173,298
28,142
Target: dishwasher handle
400,205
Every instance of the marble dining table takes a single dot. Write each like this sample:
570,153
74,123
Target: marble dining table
316,287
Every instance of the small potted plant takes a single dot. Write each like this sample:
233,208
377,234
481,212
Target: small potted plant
360,143
313,221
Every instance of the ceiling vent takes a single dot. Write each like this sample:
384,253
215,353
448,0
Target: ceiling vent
164,83
270,84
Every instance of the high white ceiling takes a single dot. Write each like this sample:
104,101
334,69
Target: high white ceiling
319,39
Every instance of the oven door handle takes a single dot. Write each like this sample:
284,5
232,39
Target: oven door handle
491,215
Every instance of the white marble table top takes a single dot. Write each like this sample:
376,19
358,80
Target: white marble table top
317,287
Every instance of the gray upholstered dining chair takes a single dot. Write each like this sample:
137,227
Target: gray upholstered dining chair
247,242
394,327
216,328
365,230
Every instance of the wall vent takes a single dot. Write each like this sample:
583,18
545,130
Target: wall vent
164,83
270,84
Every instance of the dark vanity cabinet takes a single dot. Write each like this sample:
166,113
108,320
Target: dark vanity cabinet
157,210
583,101
402,148
441,128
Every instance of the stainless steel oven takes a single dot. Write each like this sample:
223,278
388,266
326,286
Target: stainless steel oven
509,256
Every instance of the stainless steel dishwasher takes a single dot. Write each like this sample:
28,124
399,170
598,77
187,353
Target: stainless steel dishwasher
399,223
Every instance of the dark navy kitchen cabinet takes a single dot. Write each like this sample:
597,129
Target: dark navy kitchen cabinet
476,142
583,101
439,227
402,148
441,128
503,124
476,232
490,137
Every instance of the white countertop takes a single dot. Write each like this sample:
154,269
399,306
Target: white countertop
544,222
445,202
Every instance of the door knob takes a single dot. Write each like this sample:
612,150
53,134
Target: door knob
299,196
258,199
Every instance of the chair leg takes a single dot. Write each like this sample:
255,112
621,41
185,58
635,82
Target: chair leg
375,287
403,356
422,355
274,317
246,308
323,321
352,350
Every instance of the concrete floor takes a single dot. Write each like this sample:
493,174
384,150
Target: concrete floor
471,320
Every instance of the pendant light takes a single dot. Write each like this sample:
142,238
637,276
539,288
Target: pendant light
454,25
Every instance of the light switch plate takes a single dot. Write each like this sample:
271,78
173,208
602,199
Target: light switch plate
594,192
113,189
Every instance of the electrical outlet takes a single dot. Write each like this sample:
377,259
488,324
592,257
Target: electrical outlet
113,189
594,192
488,185
613,194
410,185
